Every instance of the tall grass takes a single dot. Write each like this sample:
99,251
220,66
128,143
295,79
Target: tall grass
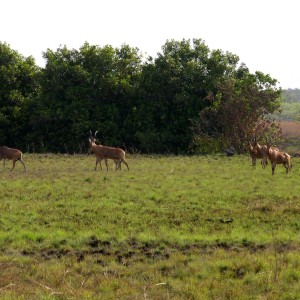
176,227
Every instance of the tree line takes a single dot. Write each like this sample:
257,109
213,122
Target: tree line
291,95
188,99
290,107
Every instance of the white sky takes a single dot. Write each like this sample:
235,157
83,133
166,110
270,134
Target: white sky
263,33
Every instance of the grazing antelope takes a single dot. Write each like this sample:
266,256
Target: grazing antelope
277,157
258,152
104,152
13,154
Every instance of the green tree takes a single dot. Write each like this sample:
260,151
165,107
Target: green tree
89,88
19,87
240,110
173,89
188,95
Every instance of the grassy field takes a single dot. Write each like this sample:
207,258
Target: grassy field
176,227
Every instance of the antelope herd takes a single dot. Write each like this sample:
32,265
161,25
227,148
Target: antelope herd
264,152
268,152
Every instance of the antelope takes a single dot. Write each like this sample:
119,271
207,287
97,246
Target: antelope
13,154
104,152
258,152
277,157
99,159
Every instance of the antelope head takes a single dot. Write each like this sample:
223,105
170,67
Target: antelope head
92,141
92,138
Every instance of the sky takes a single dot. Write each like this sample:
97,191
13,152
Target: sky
264,34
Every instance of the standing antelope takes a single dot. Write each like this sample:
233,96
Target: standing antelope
277,157
104,152
14,154
258,152
99,159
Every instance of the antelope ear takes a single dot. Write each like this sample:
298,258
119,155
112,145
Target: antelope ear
91,133
90,140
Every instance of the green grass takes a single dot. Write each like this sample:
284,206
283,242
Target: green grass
176,227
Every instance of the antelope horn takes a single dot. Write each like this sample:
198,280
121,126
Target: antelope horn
96,133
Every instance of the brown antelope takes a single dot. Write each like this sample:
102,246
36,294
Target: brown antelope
258,152
277,157
104,152
13,154
99,159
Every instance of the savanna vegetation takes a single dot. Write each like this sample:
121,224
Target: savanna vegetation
173,227
289,120
176,227
290,106
188,99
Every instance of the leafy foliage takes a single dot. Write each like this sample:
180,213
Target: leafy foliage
291,95
82,90
187,95
173,91
240,109
290,108
290,111
19,86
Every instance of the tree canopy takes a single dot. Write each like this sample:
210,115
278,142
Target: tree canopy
186,97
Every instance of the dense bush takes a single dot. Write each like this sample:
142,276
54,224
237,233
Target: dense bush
148,105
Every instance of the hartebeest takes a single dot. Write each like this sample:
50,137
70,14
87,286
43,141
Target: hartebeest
258,152
104,152
277,157
13,154
99,159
